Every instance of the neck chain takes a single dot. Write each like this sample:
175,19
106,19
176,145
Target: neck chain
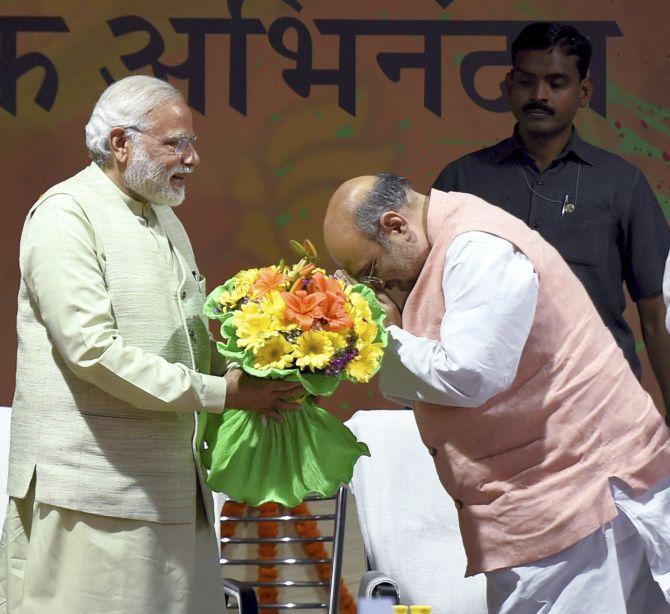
568,207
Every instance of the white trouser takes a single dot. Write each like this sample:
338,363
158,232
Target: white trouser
622,568
59,561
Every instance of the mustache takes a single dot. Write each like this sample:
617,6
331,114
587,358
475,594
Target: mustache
537,106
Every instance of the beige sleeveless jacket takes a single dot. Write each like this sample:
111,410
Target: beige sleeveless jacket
529,469
98,444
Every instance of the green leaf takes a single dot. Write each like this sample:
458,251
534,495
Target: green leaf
212,308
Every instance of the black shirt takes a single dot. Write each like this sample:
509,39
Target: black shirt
595,208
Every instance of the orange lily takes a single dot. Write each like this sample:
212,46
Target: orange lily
333,312
321,283
297,285
302,308
270,278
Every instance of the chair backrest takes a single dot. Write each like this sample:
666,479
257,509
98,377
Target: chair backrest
251,540
5,419
408,522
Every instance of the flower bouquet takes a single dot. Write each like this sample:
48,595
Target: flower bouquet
300,324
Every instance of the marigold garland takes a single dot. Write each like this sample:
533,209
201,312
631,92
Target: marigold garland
315,550
232,509
269,573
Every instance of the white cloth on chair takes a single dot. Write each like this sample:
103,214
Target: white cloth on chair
408,522
5,416
219,499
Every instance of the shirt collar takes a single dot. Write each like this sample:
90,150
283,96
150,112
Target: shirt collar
101,178
513,147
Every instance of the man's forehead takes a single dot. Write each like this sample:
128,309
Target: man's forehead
173,117
545,62
360,258
347,245
353,253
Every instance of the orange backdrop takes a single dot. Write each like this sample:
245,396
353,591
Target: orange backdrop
277,132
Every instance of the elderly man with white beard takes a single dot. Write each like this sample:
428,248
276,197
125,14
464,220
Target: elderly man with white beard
108,509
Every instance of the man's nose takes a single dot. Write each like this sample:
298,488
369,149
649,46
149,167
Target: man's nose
541,90
191,156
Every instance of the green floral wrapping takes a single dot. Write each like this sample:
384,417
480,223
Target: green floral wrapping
254,459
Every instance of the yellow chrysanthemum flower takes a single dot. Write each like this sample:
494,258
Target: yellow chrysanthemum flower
358,309
273,304
366,332
226,300
313,349
253,325
275,353
338,340
346,288
230,298
241,288
247,277
363,367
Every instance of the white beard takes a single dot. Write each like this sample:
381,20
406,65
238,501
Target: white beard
151,180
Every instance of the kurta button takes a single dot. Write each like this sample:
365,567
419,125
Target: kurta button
536,224
183,295
432,451
191,334
197,369
459,504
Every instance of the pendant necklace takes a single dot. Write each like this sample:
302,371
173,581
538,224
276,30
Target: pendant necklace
568,207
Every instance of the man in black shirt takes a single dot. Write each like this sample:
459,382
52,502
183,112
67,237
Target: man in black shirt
595,208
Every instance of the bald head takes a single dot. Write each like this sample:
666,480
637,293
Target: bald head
340,230
376,224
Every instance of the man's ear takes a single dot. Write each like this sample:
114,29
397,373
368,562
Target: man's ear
119,145
392,222
585,91
395,225
506,84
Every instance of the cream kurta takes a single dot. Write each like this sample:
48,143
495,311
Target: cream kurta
113,361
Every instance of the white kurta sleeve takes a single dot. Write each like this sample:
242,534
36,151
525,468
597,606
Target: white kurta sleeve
666,292
60,266
490,290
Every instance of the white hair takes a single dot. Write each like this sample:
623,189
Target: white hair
124,104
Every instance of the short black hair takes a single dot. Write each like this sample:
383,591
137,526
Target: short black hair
546,34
